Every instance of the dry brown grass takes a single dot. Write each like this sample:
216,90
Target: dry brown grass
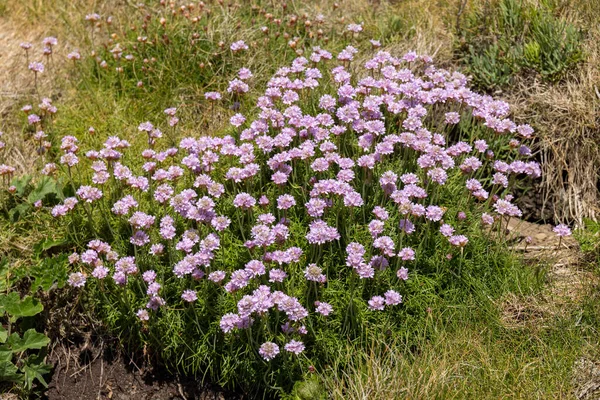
567,118
16,83
31,21
428,28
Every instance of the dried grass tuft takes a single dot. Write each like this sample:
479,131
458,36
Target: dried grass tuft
567,119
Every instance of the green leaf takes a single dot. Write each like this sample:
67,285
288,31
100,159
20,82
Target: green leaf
21,183
9,372
16,307
30,340
49,271
18,211
47,244
3,334
35,368
44,187
5,353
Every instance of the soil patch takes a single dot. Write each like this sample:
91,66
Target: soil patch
99,372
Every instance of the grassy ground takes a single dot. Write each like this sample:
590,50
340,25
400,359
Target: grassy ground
505,339
524,347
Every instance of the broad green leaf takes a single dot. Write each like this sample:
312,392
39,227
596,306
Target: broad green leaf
21,183
9,373
3,334
5,355
46,244
49,271
30,340
44,187
17,307
35,368
18,211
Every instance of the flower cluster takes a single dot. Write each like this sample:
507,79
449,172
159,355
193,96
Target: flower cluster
293,182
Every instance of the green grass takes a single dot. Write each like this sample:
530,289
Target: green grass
501,39
474,354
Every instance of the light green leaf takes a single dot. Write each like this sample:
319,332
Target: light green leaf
9,373
5,353
44,187
17,307
18,211
35,368
21,183
30,340
50,271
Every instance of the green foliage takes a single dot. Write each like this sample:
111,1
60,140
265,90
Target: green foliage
50,271
17,363
589,237
28,191
30,340
17,307
507,37
187,337
489,67
308,389
35,368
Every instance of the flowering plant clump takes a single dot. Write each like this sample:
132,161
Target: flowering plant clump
307,221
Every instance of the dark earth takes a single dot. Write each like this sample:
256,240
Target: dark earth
100,372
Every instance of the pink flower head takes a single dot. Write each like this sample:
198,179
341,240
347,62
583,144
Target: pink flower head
142,314
244,201
407,254
294,346
212,96
323,308
238,46
244,74
377,303
314,273
216,276
36,67
277,275
189,296
268,351
354,28
392,298
74,55
237,120
402,273
50,41
458,240
77,279
285,202
562,230
89,193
